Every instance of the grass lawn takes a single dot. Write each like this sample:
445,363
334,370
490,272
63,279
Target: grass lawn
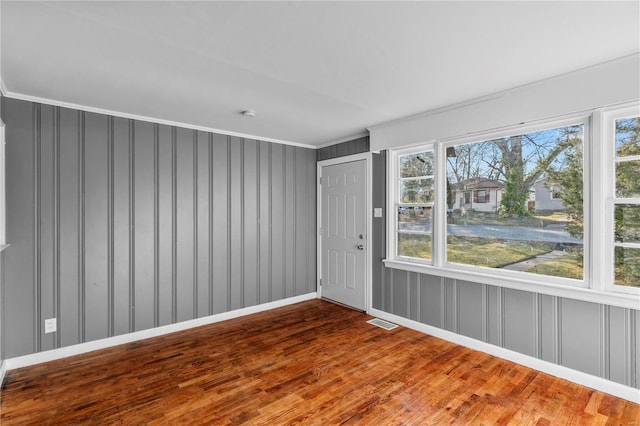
489,252
566,266
492,252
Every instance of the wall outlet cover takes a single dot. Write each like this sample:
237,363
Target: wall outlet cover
50,325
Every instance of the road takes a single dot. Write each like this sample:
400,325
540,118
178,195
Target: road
552,234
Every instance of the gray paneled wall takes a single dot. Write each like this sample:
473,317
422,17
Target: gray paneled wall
355,146
119,225
596,339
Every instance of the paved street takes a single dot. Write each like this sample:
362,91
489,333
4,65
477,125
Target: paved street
553,234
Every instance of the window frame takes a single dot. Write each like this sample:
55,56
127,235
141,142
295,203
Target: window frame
596,285
607,118
393,203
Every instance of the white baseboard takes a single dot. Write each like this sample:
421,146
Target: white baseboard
584,379
81,348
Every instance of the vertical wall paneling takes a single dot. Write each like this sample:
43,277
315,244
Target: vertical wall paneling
132,234
469,306
236,217
19,260
278,215
289,214
519,330
581,338
250,230
69,312
220,166
202,228
110,230
95,232
156,225
184,225
121,222
118,225
617,345
492,315
547,327
46,222
37,284
144,225
264,220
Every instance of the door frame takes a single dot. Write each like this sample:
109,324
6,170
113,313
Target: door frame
368,212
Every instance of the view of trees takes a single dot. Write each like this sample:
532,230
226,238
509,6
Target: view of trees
627,215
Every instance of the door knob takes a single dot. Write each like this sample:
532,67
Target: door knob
360,246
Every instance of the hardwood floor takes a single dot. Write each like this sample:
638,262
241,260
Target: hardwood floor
309,363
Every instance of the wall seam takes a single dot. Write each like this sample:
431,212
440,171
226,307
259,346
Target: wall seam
81,228
258,227
537,333
485,313
243,218
174,224
558,328
110,224
229,222
295,220
195,224
270,189
605,341
211,221
132,217
633,348
56,225
156,225
37,233
443,303
284,223
500,312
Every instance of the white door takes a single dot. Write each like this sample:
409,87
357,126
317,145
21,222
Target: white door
344,241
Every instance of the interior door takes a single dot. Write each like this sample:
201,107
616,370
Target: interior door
344,240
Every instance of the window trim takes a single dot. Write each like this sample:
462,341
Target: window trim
592,288
392,193
608,116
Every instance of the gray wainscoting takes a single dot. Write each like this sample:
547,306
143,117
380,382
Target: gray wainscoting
593,338
119,225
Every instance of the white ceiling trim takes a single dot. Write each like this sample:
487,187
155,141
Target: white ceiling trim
69,105
344,139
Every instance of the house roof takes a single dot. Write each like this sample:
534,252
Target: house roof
477,183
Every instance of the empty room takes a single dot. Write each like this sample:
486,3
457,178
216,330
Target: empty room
319,213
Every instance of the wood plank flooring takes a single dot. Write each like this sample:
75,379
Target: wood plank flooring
313,363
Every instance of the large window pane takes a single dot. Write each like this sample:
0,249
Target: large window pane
416,164
416,191
628,179
627,223
627,266
628,137
414,245
517,203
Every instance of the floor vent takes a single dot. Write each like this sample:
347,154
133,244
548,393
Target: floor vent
382,324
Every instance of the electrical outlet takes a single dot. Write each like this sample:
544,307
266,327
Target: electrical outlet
50,325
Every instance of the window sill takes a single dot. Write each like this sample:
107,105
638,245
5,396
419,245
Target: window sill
623,300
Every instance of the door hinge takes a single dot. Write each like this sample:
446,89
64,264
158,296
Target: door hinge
320,282
320,180
320,231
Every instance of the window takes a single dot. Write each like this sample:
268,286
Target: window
550,207
414,204
511,233
626,202
555,191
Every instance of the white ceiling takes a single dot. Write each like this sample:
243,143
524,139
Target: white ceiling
315,72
